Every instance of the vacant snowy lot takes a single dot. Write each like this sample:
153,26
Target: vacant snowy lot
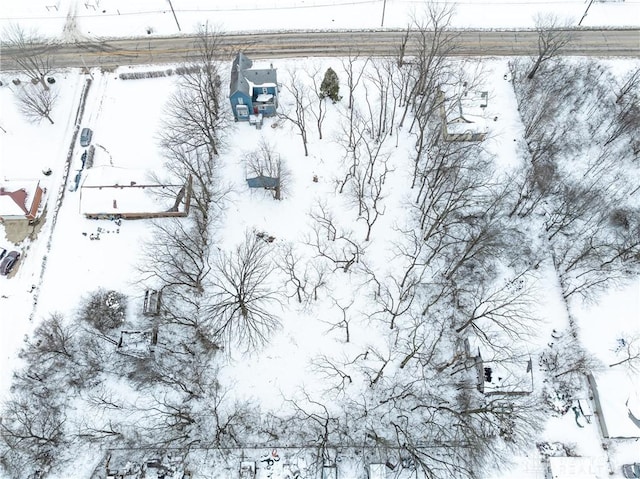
398,275
359,329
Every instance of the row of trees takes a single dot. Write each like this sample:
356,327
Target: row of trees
461,268
31,53
581,186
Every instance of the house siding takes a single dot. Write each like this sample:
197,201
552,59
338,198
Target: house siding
239,98
246,86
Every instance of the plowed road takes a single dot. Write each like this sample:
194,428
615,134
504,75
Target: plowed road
117,52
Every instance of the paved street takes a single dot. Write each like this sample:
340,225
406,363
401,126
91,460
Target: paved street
117,52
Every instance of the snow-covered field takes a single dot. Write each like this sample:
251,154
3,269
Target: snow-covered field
76,20
62,263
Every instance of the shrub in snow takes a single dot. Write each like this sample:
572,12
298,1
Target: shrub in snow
330,86
143,75
564,365
104,309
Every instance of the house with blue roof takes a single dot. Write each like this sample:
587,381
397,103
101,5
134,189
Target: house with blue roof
253,91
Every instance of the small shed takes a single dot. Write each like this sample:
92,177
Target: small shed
152,302
463,114
266,182
138,344
501,375
247,470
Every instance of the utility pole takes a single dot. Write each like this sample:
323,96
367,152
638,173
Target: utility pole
384,6
174,15
585,12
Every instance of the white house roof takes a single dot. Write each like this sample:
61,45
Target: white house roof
113,190
506,377
264,97
8,205
136,343
502,373
574,468
619,393
465,110
244,76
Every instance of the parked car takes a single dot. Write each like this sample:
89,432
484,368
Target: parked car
85,136
631,470
9,262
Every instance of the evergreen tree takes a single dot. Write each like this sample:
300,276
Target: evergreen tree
330,87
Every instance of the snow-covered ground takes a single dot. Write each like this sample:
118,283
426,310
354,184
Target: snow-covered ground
76,20
125,117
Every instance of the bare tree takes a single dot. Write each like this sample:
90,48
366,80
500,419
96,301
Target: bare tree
320,111
320,423
345,322
435,43
339,249
266,162
383,111
194,170
52,340
195,115
305,275
332,372
301,102
552,38
629,349
33,430
36,103
242,298
565,364
177,255
505,306
626,117
631,85
354,75
30,51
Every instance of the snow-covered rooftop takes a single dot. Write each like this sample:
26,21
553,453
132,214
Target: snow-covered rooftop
619,392
465,111
118,191
17,204
503,377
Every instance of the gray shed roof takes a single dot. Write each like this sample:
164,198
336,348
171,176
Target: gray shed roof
241,71
263,182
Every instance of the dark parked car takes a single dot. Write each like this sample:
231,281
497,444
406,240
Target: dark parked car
631,470
9,262
85,136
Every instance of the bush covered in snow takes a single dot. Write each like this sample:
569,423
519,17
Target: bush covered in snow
105,310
